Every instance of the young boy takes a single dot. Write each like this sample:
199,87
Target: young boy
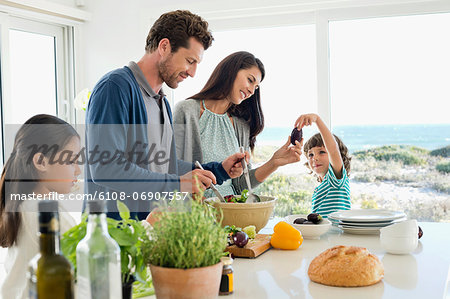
328,159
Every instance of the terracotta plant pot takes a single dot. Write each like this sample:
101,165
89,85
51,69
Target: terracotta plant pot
195,283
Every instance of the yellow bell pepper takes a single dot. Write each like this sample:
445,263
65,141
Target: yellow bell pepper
285,236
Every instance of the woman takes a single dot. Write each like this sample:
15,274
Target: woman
225,115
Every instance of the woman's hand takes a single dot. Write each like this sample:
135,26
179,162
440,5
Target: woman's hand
284,155
287,153
306,120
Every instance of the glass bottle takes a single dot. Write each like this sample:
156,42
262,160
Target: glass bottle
50,273
98,258
226,283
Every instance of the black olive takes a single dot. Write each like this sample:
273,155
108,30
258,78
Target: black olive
299,220
314,218
296,135
420,232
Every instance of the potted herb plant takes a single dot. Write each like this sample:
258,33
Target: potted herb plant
184,251
130,234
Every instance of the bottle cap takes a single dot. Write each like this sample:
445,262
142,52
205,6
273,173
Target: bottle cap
96,206
48,206
226,260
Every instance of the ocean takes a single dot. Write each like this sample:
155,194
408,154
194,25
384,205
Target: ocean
363,137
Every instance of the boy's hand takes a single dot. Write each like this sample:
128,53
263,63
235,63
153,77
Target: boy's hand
306,120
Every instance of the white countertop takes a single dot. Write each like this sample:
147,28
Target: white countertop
424,274
280,274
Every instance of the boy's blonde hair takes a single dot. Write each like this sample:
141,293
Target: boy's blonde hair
317,141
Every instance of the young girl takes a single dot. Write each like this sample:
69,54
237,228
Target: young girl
43,160
328,159
226,114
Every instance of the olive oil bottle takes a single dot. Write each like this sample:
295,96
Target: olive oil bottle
50,273
98,258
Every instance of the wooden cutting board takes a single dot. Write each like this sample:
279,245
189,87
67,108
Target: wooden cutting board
254,247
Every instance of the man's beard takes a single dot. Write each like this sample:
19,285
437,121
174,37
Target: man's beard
164,73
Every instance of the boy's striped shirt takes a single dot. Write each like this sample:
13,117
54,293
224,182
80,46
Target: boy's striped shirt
332,194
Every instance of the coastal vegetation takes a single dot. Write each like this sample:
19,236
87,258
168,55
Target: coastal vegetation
398,177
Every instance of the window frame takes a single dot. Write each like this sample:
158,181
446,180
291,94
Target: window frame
64,62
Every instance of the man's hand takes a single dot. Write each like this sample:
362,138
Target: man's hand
153,216
233,165
196,180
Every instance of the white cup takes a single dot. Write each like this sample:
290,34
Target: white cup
401,229
399,245
400,238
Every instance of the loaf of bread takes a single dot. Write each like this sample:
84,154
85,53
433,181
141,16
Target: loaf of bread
346,266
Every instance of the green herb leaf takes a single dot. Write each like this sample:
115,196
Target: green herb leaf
188,235
122,236
124,212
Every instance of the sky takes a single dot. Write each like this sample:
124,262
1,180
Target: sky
392,70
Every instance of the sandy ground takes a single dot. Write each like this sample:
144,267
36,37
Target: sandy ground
390,195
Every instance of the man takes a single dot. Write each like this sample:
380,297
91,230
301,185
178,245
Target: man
131,151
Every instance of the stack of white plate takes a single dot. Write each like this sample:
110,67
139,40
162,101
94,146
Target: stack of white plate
366,221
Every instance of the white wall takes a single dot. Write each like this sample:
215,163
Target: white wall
117,30
115,35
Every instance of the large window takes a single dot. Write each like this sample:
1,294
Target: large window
388,91
389,82
34,72
288,90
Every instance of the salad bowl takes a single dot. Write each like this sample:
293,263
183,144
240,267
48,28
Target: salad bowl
245,214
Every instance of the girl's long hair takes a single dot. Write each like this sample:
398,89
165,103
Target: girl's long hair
40,134
220,85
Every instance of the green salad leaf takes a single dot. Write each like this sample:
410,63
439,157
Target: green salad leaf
244,196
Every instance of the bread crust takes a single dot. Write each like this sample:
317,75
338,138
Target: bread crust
346,266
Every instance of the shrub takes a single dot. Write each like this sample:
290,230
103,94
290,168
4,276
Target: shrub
369,204
408,155
263,153
443,167
294,193
441,152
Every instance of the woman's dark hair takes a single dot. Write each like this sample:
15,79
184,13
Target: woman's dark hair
317,141
43,134
178,26
220,85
